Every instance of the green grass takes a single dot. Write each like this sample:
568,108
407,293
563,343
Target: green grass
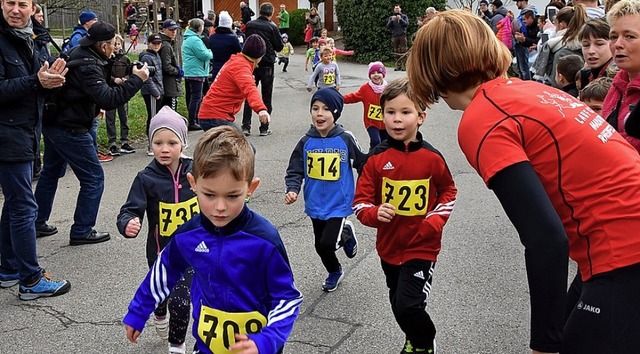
137,121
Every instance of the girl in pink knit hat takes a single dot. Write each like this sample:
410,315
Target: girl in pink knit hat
369,94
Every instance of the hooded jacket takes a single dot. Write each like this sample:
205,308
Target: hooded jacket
324,164
167,200
196,56
170,68
153,86
224,43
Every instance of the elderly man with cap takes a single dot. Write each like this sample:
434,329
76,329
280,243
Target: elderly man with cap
25,78
85,20
172,73
67,139
233,85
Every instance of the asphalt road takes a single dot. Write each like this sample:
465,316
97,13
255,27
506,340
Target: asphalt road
479,301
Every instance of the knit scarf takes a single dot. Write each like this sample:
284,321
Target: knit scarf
378,88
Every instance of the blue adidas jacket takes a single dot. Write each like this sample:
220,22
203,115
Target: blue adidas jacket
328,187
242,283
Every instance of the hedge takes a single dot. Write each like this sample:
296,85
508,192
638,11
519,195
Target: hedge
363,24
296,26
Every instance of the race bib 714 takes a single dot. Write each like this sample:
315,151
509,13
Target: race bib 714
409,197
218,328
173,215
323,165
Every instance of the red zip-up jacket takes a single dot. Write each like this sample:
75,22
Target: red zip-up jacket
233,85
416,180
372,116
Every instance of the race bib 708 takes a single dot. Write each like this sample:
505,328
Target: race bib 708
218,328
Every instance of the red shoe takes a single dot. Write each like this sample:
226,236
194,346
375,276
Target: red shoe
104,157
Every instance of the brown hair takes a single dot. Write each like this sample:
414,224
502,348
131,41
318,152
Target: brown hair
399,87
596,28
223,149
569,65
575,17
325,49
596,90
453,52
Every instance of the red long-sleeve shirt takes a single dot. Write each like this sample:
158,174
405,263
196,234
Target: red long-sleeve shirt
232,86
423,194
371,101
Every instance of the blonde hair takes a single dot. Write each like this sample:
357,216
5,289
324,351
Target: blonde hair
325,49
623,8
453,52
118,37
223,149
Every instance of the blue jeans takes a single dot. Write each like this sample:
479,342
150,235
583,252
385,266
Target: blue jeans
94,133
195,98
522,58
78,150
17,223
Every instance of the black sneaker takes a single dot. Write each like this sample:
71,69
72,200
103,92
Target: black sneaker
246,131
127,149
194,127
46,230
265,132
114,151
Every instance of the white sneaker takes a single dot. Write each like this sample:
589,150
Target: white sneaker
177,348
162,326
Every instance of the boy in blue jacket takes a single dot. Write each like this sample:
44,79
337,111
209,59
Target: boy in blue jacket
322,159
243,294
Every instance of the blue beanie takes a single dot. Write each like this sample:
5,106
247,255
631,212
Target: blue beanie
86,16
332,98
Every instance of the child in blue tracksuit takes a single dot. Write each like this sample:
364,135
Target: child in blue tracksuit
162,191
243,294
322,159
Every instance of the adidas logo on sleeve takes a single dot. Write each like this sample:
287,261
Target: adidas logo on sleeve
202,248
388,166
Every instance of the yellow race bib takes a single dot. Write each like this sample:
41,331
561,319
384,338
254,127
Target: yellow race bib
409,197
374,112
329,78
323,165
217,328
173,215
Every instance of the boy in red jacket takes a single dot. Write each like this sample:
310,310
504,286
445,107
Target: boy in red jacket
233,85
408,203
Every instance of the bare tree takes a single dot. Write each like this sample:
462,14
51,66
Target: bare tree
57,5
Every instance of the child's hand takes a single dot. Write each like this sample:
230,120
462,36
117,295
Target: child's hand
290,197
338,87
133,227
309,89
264,117
132,334
386,212
243,345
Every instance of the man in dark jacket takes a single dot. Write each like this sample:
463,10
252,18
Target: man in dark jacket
24,81
499,12
398,23
246,13
66,131
265,28
172,73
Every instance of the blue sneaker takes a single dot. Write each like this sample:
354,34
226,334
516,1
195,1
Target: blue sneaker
9,280
45,287
351,242
332,281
